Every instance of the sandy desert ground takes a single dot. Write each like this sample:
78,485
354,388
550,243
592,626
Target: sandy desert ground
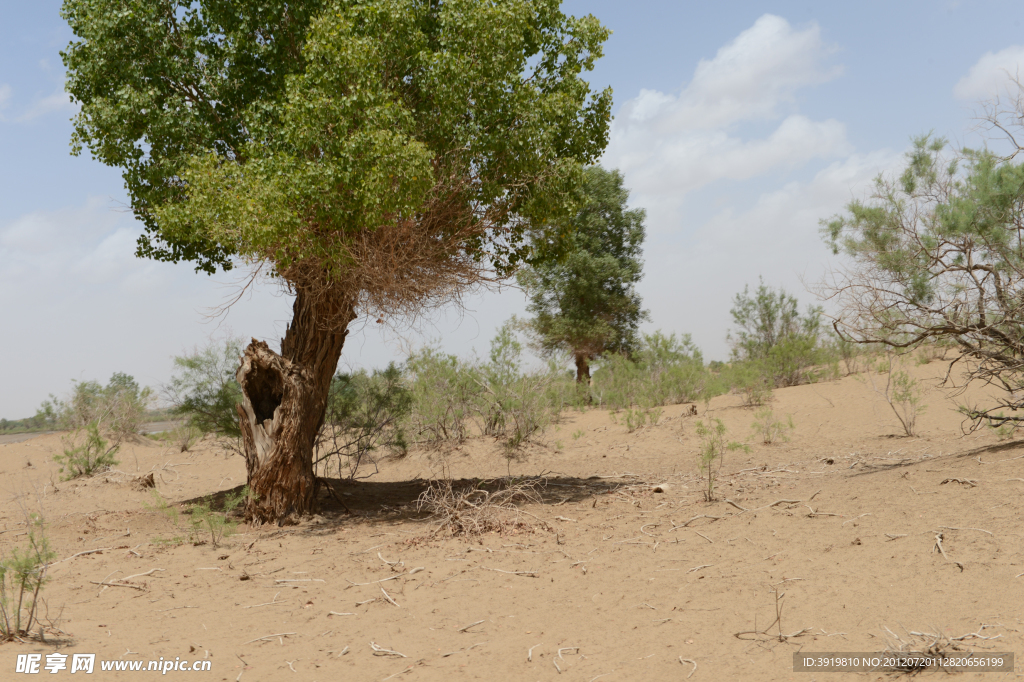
605,578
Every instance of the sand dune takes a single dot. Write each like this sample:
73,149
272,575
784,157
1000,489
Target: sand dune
603,579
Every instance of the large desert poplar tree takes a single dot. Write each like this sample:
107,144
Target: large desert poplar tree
375,156
585,303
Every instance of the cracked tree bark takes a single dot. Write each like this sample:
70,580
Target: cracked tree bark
284,399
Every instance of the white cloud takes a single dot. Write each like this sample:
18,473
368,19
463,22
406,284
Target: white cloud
692,278
669,145
5,98
58,101
992,75
77,303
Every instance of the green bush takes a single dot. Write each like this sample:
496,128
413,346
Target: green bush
711,454
117,409
451,396
365,414
752,379
204,520
771,429
204,390
444,390
512,405
787,347
86,453
665,370
22,576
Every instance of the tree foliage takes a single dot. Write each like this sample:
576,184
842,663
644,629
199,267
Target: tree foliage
204,390
771,332
586,303
375,155
936,253
340,144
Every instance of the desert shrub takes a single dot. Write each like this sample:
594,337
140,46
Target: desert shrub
665,370
85,452
365,415
771,429
204,391
444,390
770,330
751,379
204,521
855,357
117,409
182,436
22,576
512,405
902,393
449,395
711,453
205,524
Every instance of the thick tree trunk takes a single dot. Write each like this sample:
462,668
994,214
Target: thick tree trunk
284,398
582,369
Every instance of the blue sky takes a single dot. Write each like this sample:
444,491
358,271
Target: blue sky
738,126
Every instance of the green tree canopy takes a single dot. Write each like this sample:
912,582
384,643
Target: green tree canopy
375,155
586,303
937,254
771,332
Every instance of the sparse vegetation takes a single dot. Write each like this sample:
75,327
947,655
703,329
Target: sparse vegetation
901,393
204,521
22,577
450,395
780,346
204,391
711,453
365,415
118,408
85,453
664,370
771,429
205,524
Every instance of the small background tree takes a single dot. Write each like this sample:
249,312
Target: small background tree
586,303
98,419
779,345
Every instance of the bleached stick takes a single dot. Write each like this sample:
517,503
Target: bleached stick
388,597
529,574
381,651
258,639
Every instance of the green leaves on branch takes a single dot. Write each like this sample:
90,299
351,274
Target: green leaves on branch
204,389
585,303
300,132
937,254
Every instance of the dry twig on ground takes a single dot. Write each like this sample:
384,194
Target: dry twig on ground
474,510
